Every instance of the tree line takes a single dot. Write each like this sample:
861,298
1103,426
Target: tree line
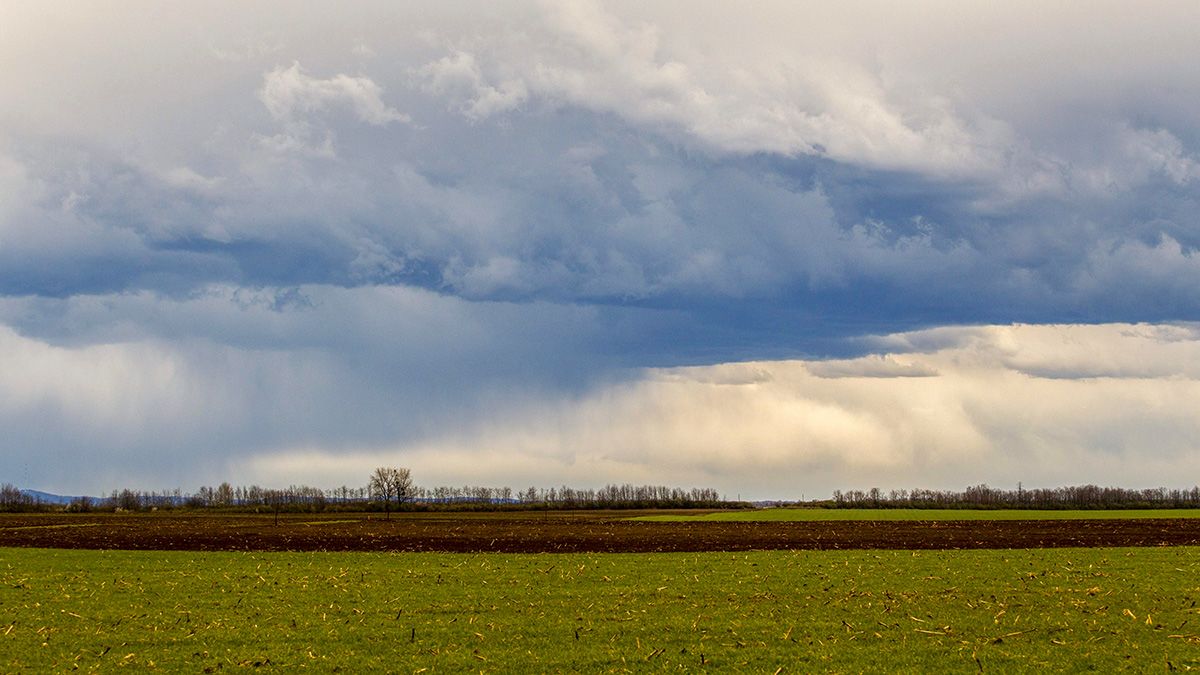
391,488
388,488
984,497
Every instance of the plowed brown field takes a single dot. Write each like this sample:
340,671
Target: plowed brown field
562,532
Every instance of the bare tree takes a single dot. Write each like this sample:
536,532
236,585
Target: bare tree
12,499
224,495
388,482
274,499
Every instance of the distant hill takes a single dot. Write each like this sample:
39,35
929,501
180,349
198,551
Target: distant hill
50,498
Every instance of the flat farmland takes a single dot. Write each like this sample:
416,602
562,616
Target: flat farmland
783,515
1035,610
579,532
595,592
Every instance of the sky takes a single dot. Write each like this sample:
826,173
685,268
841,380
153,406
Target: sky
778,249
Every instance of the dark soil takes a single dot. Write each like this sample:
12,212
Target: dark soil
562,532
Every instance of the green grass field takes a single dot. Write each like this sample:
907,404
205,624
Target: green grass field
788,515
1062,609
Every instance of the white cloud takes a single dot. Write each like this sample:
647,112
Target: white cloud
936,90
728,98
297,101
458,77
1150,153
15,187
44,224
188,179
290,94
1007,93
882,366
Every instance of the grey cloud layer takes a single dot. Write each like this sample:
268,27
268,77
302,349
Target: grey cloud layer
157,389
529,198
940,408
583,153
